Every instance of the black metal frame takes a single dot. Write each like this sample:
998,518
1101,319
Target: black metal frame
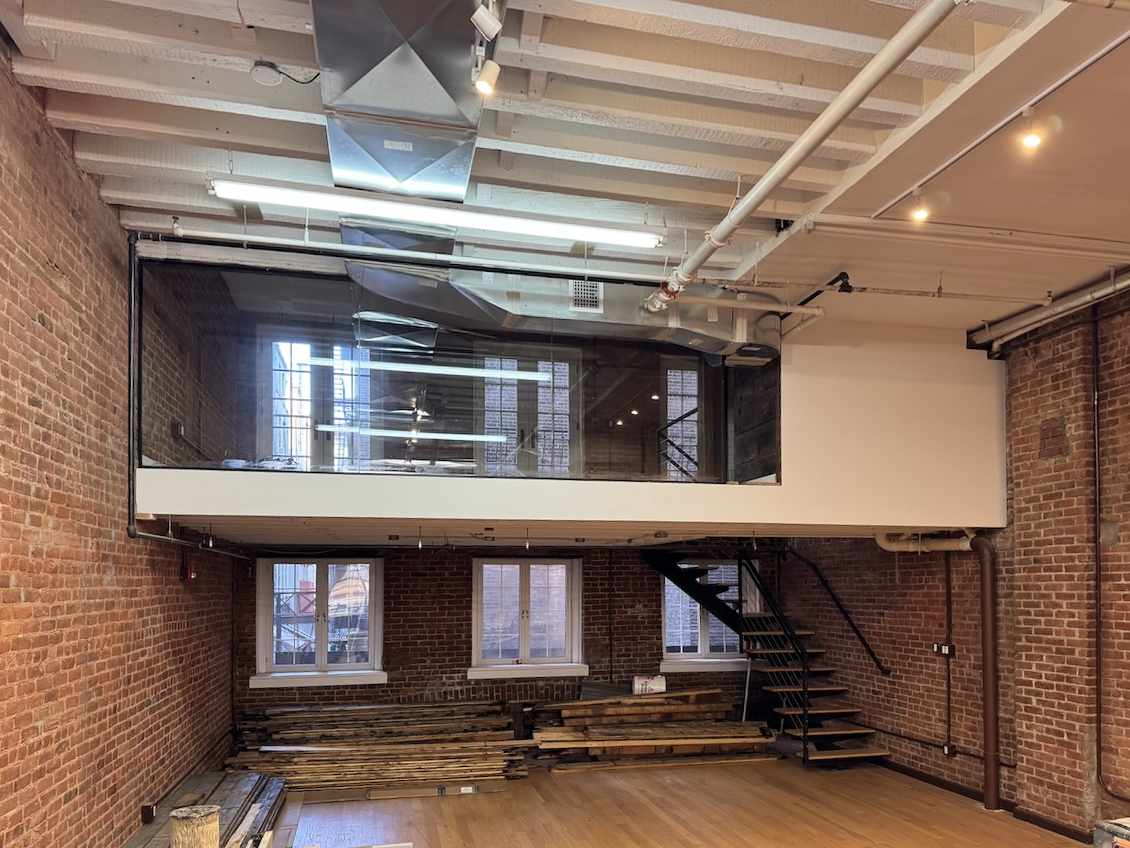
823,580
133,426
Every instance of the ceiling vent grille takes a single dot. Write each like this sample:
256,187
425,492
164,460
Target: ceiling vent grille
586,296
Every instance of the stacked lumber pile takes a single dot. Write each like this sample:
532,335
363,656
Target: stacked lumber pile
383,748
249,804
672,728
685,705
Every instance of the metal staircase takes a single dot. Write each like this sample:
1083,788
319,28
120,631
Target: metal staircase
782,660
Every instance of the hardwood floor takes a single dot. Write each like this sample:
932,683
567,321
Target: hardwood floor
755,805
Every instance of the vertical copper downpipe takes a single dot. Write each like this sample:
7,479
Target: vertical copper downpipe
1096,445
990,675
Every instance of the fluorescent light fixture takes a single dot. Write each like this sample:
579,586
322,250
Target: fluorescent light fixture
408,434
444,370
435,214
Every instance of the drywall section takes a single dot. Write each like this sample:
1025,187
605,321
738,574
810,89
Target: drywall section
911,412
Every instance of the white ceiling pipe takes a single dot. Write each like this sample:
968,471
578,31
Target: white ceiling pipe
1105,4
918,544
896,50
751,305
1002,331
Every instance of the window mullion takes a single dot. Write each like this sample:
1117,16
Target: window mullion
321,621
524,615
703,631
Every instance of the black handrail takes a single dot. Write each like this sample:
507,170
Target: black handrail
746,565
661,437
843,610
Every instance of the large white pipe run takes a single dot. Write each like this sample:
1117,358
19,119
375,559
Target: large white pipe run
897,49
1002,331
916,544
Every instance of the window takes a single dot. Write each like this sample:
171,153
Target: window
318,622
320,402
538,420
681,446
694,639
527,619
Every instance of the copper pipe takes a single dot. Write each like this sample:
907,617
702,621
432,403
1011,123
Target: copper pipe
1097,477
990,676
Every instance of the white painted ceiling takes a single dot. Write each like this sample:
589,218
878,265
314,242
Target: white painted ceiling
654,112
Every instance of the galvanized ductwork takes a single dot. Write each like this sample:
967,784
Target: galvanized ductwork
531,304
402,112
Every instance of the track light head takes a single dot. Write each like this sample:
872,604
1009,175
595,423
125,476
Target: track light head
488,78
486,22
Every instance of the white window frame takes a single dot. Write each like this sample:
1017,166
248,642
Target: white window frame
704,659
571,665
270,676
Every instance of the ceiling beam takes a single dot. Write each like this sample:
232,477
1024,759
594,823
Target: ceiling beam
678,19
117,28
577,102
551,140
289,15
159,122
589,181
86,71
1009,13
766,89
28,43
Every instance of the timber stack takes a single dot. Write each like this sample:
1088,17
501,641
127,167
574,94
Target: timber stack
672,728
383,747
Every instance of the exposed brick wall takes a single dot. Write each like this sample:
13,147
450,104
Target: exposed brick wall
427,632
114,676
1045,612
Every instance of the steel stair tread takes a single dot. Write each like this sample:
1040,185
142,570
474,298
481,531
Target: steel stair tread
756,633
828,732
793,669
817,710
812,690
775,652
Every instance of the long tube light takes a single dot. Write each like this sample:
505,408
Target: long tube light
352,203
445,370
408,434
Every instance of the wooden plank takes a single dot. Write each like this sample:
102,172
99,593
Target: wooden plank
676,695
635,709
662,762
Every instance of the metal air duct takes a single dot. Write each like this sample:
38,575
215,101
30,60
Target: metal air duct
402,112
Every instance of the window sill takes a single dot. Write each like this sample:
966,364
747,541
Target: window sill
504,672
293,679
702,664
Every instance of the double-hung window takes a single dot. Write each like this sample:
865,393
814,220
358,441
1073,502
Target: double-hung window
693,639
318,622
527,619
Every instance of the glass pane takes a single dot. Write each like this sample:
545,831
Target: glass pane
553,420
501,611
723,640
549,610
352,448
500,418
295,589
348,613
680,449
680,623
290,404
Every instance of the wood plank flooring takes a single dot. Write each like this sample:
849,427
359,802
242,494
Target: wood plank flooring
757,805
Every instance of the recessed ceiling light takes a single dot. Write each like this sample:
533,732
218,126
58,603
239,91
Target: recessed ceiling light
635,412
1032,140
655,397
619,422
920,214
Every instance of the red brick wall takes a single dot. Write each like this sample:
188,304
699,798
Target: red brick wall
114,676
1045,612
427,632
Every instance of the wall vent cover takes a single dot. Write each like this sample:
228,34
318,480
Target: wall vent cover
586,296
